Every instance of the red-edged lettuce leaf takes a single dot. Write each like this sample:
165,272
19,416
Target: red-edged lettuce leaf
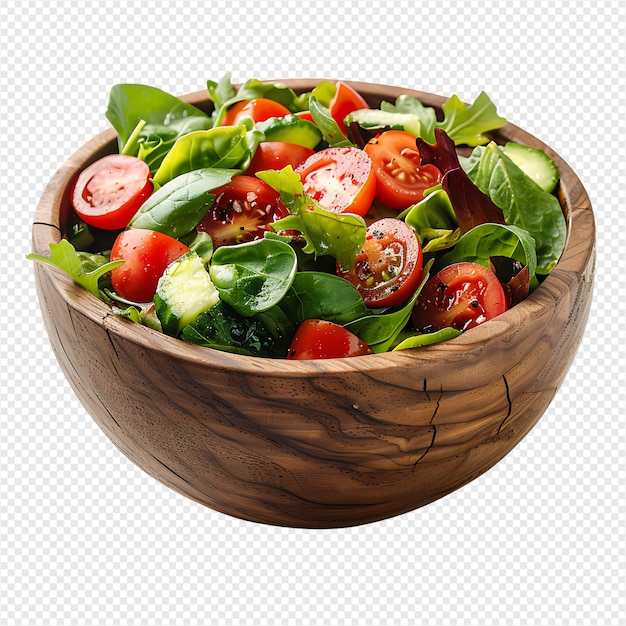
471,206
513,276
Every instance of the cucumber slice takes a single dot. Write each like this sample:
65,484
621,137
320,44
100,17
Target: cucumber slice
184,291
534,163
375,118
291,129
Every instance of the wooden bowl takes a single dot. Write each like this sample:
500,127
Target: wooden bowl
327,443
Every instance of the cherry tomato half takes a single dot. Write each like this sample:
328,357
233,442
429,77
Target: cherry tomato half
401,179
388,269
461,296
243,210
146,254
108,193
340,180
274,155
259,109
305,115
345,101
320,339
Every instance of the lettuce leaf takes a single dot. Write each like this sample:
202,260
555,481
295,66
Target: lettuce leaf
524,203
340,235
465,124
65,258
471,205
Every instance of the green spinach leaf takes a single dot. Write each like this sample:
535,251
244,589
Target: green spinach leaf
524,203
379,330
225,147
492,240
317,295
176,208
254,276
411,339
148,121
266,334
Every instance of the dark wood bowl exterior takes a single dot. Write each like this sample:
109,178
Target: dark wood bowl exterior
326,443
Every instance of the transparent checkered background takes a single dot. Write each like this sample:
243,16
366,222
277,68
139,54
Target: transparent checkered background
88,538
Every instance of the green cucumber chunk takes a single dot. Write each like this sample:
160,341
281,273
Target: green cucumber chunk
535,163
184,291
375,119
291,129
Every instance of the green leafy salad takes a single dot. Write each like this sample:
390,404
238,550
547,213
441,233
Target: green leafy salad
308,225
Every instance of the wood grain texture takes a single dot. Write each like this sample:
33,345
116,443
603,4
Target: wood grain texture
318,443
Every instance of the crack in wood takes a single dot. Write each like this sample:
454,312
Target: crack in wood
48,225
509,402
432,443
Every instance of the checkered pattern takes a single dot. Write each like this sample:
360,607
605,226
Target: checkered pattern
87,538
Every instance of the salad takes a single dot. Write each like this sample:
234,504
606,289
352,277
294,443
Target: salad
309,225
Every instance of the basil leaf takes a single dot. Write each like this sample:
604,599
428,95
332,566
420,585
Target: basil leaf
524,203
176,208
254,276
158,117
225,147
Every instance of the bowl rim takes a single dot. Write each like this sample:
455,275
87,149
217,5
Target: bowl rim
575,261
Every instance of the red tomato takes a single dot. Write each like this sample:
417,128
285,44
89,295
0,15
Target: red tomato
306,115
274,155
461,296
108,193
345,101
259,109
319,339
388,269
340,180
146,254
401,179
243,210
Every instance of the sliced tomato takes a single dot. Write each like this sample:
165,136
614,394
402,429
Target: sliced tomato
388,269
340,180
320,339
345,101
243,211
146,254
274,155
461,296
306,115
108,193
259,109
401,179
